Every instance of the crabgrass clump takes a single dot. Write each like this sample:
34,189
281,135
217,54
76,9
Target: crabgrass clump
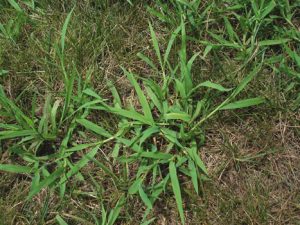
163,133
89,154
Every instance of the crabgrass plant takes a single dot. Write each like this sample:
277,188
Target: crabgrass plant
161,134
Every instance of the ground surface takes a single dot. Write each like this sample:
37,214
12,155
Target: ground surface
252,154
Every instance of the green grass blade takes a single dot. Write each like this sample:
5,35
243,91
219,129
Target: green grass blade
193,173
231,33
145,198
148,133
154,99
243,103
156,45
54,114
15,5
268,9
141,96
178,116
194,155
245,81
46,182
147,60
170,44
212,85
134,188
94,127
114,214
64,30
15,168
80,164
156,155
293,55
131,115
176,189
60,220
273,42
16,134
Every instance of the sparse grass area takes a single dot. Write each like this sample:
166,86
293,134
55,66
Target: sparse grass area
152,112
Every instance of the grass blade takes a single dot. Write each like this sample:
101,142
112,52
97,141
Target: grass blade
15,168
15,5
141,96
193,173
60,220
145,198
64,31
94,127
155,45
46,182
176,189
243,103
114,214
170,44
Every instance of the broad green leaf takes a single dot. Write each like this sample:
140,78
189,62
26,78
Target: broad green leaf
176,189
159,15
92,93
16,134
170,44
81,147
171,136
293,55
212,85
117,99
53,115
155,44
191,61
245,81
268,9
64,31
178,116
15,168
147,60
244,103
80,164
114,214
156,155
200,105
16,6
131,115
180,88
134,188
154,99
273,42
194,155
145,198
3,72
141,96
116,150
46,182
60,220
94,127
148,133
207,49
194,176
231,33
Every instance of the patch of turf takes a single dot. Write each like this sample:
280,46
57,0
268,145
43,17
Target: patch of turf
105,121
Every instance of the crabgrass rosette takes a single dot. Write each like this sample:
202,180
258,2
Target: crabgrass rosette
161,134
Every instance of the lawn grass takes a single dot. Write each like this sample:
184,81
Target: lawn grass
153,112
